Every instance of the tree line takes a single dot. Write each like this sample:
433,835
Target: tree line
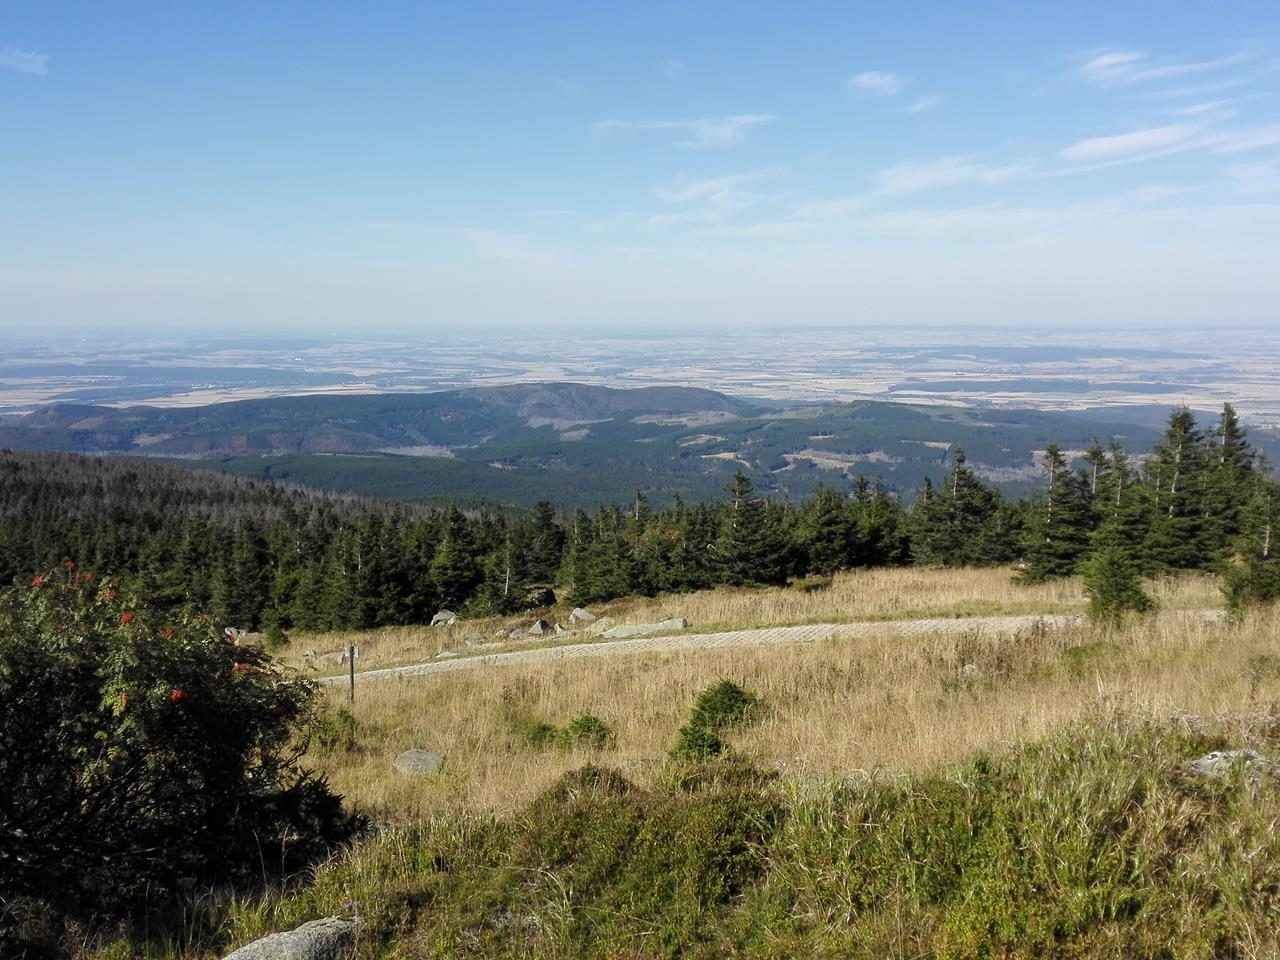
259,555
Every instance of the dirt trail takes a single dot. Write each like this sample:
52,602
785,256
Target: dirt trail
758,637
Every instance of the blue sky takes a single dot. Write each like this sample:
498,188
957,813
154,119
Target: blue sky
470,166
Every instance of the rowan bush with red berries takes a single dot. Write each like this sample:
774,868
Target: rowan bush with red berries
144,754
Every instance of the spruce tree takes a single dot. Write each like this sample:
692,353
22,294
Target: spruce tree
1231,483
1177,472
455,570
960,522
1253,575
827,532
545,550
240,578
750,550
1058,532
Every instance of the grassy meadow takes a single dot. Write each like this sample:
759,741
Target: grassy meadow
894,593
981,794
831,709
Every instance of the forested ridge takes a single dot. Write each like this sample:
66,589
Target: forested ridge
257,554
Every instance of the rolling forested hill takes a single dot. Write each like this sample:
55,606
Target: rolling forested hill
571,444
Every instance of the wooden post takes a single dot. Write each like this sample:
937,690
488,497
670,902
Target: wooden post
351,673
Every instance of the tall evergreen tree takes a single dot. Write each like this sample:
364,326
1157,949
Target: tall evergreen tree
1059,528
1178,471
545,551
240,578
1231,483
750,546
952,524
1253,575
455,570
828,532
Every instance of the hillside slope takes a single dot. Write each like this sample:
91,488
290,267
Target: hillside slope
572,444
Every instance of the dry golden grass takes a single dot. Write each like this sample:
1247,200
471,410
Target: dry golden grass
830,709
905,593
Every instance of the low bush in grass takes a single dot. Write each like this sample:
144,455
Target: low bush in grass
1113,584
717,708
331,731
584,732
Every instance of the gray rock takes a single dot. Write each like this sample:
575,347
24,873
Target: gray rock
538,628
1220,763
628,630
329,939
471,639
445,618
446,654
500,634
516,634
582,616
422,763
602,625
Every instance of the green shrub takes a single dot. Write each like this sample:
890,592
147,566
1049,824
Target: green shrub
1113,585
274,638
1250,583
141,754
586,731
332,731
694,745
722,705
718,707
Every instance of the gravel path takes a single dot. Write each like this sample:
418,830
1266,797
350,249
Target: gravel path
759,637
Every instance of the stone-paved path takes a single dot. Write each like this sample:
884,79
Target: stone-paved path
759,637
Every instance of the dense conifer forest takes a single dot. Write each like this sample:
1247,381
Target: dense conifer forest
260,555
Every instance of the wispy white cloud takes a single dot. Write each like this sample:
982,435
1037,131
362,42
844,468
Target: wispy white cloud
1115,67
1111,66
1212,110
912,177
1133,142
921,104
877,83
23,61
723,191
1198,90
1245,138
702,133
713,200
673,69
915,176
